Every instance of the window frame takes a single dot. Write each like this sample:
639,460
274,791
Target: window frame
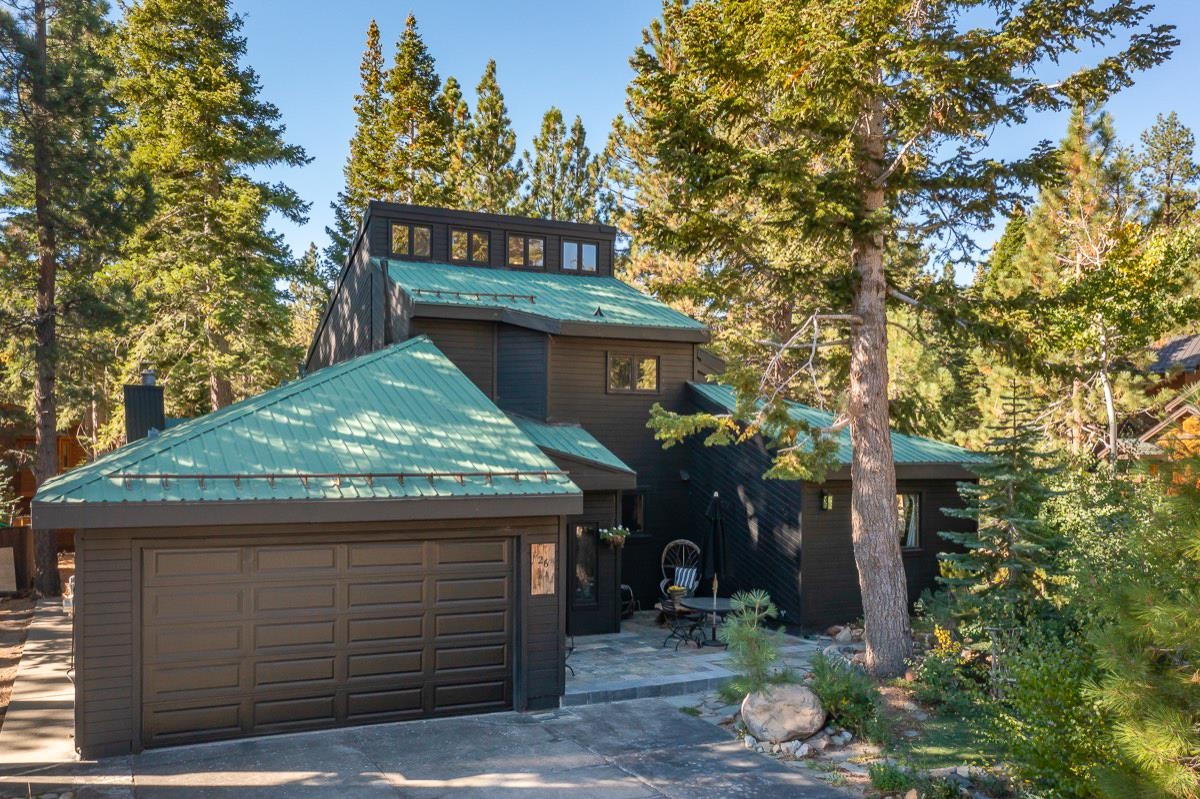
919,500
471,260
639,495
636,359
578,244
525,262
412,228
592,530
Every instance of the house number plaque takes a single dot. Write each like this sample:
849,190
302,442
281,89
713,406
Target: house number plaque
542,561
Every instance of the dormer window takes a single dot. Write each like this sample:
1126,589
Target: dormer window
526,251
580,256
410,241
468,246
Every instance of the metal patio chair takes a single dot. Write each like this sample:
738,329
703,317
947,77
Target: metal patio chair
681,567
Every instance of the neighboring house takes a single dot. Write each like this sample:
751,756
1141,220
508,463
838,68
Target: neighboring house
412,528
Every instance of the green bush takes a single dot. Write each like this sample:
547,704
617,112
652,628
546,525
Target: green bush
1052,733
891,778
849,696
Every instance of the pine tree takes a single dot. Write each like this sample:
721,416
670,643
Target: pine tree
365,174
206,265
1168,172
564,179
418,125
64,202
852,126
308,294
1007,569
454,107
493,181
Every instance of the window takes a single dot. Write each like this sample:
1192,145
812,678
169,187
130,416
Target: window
633,511
580,256
908,520
584,578
526,251
633,373
410,240
468,246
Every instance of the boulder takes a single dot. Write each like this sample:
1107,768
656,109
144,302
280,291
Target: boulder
844,635
783,713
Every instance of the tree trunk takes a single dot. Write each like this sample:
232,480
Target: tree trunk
872,470
220,389
1076,422
45,464
1110,407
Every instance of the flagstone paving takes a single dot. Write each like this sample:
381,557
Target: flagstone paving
634,664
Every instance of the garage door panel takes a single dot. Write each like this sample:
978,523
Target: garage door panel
471,658
390,663
297,671
195,603
406,594
192,565
385,629
391,556
452,624
192,641
295,597
290,634
289,560
277,637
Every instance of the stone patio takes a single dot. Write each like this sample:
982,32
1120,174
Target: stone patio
634,664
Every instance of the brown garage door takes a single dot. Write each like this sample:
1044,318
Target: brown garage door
243,640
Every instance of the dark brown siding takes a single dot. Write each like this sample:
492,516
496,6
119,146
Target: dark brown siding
355,321
108,622
521,363
578,393
830,578
471,346
497,227
761,517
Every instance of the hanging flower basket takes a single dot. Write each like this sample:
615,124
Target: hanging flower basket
615,536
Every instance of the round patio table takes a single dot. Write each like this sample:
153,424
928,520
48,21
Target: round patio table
715,608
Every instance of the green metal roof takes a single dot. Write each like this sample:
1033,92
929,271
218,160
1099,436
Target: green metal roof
400,423
906,449
570,440
554,297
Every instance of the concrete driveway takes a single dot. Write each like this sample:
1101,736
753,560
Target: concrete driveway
626,750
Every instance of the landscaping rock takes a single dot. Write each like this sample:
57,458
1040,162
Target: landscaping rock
844,635
751,742
783,713
818,742
912,794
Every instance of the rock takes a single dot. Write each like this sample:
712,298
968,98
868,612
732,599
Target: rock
920,715
844,635
847,737
910,734
819,743
760,749
830,731
751,742
783,713
912,794
833,631
776,748
803,750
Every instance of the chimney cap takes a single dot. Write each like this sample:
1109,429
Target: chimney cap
148,377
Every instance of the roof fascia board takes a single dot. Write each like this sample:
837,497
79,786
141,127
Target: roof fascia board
83,515
611,480
421,213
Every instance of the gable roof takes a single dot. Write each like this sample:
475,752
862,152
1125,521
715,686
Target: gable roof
906,450
402,423
570,440
552,302
1181,352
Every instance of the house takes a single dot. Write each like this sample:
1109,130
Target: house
412,528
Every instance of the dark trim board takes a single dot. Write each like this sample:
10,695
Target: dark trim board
542,324
166,514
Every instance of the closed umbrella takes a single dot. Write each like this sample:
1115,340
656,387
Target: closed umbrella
713,562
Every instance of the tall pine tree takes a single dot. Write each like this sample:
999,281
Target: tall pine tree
365,173
1168,172
458,161
493,182
64,201
206,265
417,123
564,178
855,126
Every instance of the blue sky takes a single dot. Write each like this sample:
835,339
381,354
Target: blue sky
570,54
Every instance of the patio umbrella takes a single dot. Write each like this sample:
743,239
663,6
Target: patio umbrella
713,552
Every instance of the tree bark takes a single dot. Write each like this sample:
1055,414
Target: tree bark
220,389
872,471
45,575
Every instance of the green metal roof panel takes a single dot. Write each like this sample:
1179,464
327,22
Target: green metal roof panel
557,297
906,449
570,440
400,423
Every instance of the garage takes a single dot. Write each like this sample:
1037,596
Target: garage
258,639
301,561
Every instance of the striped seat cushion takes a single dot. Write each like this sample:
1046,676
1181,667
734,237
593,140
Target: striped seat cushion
687,577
